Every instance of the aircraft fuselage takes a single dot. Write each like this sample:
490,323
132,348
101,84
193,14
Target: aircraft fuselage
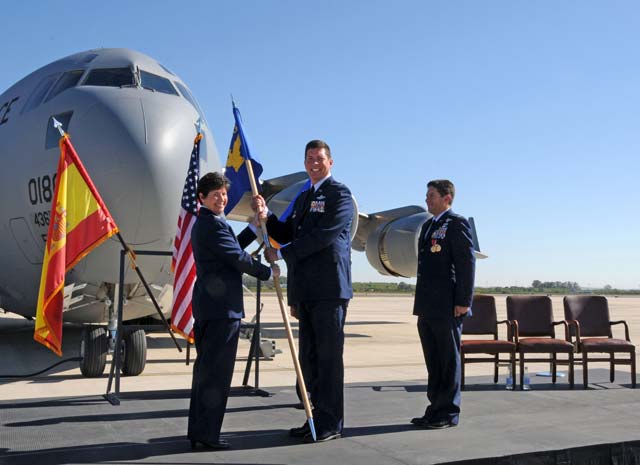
132,123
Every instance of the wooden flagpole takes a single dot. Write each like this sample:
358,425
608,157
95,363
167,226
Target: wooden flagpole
285,316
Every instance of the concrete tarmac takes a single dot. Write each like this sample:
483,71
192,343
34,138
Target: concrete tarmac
61,417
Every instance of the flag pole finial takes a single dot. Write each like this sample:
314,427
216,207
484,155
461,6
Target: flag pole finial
199,125
58,125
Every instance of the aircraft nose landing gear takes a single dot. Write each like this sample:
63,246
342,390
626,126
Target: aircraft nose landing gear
93,350
134,351
95,345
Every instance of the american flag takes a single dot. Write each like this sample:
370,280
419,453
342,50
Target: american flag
182,263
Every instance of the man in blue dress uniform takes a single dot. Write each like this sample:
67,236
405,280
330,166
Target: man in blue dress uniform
217,308
318,257
444,291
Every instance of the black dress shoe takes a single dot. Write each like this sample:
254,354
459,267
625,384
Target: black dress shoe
322,437
420,421
440,424
300,432
220,444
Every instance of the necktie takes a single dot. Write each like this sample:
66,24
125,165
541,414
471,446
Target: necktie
430,229
307,203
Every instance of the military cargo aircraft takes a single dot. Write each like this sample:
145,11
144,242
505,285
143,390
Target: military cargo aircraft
132,122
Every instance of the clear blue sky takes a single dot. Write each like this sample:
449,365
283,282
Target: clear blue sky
530,108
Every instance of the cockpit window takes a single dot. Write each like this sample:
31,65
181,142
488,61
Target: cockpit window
157,83
110,77
39,92
186,94
166,69
66,81
89,58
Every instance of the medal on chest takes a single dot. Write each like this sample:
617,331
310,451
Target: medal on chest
435,247
441,232
317,206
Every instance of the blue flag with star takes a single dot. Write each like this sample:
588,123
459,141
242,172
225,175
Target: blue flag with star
236,168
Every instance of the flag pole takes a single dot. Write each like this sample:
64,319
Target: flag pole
285,316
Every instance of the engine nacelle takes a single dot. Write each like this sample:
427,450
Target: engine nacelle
392,247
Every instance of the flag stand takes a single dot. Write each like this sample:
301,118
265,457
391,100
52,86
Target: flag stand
116,359
254,349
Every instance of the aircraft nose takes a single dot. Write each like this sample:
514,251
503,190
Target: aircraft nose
170,133
139,150
137,153
112,142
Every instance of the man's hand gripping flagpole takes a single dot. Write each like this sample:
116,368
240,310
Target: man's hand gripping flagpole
285,316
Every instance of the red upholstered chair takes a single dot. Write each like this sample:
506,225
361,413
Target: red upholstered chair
588,317
484,321
534,333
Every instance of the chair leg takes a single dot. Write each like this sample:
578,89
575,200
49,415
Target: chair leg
571,372
585,369
554,368
612,370
513,370
495,369
633,369
521,371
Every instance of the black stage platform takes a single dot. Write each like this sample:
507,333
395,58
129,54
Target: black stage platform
547,425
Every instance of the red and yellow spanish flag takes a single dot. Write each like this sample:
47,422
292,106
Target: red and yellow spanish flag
79,222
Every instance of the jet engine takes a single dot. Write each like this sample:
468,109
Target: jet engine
390,239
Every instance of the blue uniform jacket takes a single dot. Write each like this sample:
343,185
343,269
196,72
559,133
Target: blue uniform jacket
446,267
318,255
220,262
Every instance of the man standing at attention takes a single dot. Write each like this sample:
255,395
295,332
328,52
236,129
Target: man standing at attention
318,257
444,291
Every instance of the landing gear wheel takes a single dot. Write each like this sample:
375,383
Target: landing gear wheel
93,350
135,352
